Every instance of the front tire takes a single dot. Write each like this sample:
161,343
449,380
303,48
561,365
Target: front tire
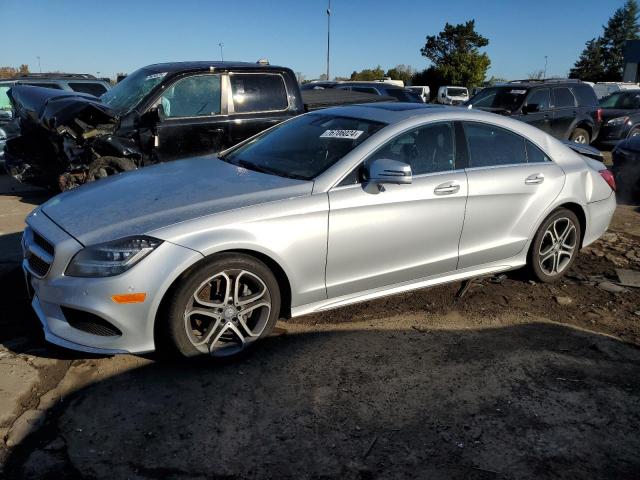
580,135
221,308
555,246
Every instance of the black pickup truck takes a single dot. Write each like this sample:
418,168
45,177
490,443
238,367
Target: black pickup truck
158,113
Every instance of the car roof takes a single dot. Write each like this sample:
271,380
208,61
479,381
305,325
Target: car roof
391,112
174,67
372,84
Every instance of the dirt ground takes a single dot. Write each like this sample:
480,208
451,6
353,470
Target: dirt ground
516,379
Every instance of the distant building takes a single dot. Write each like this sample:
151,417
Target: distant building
631,61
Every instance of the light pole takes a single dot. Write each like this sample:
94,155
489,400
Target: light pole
328,37
221,54
545,67
39,67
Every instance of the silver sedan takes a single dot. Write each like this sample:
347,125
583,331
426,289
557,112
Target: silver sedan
331,208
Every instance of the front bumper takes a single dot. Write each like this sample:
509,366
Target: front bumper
54,292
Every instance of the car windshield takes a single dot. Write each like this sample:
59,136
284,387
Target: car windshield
503,98
304,147
622,100
130,91
456,92
402,94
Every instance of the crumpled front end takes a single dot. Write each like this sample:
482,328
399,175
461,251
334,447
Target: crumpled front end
64,139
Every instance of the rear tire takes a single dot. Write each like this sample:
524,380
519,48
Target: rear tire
221,308
580,135
555,246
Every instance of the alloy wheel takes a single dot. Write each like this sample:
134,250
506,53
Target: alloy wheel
580,139
558,246
227,312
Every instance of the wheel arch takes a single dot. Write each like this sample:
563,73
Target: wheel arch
281,277
585,126
574,207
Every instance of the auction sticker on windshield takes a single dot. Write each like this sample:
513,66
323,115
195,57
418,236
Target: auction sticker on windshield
348,134
518,92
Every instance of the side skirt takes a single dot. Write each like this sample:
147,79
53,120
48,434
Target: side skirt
397,288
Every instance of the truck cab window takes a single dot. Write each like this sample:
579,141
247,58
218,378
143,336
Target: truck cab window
197,96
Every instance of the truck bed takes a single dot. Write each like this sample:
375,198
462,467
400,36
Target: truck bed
333,97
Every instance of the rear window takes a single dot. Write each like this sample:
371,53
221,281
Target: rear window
95,88
258,92
585,95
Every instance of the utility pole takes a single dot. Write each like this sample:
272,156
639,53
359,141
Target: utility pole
221,54
545,67
39,67
328,37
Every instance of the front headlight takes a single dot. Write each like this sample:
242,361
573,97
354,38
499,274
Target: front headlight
111,258
616,122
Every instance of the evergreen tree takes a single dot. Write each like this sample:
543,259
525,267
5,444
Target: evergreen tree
622,26
590,66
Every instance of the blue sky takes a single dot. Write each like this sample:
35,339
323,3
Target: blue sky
119,36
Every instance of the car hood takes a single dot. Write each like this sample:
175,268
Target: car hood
161,195
54,109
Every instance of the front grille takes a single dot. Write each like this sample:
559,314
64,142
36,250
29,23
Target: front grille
42,243
90,323
37,265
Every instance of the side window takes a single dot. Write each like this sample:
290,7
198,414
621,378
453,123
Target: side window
563,97
585,95
258,93
95,88
197,96
534,154
541,98
428,149
493,146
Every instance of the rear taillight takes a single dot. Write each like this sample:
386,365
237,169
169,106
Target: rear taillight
609,178
599,115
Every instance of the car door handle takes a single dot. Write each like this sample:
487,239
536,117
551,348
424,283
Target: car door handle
216,130
535,179
447,188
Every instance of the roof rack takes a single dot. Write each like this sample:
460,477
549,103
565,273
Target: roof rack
86,76
546,80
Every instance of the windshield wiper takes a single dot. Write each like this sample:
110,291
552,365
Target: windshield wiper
261,168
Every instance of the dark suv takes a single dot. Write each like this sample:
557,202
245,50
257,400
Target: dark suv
566,109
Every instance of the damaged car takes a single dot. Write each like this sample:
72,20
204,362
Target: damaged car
159,113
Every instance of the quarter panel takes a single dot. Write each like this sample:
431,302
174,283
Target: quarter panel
502,210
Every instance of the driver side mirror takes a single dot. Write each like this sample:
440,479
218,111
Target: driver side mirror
385,170
531,108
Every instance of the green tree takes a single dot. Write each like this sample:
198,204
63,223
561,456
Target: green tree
590,66
401,72
368,74
455,55
622,26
